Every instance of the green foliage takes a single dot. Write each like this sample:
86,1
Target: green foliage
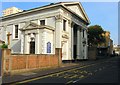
4,45
95,36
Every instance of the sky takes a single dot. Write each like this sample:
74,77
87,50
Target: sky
104,14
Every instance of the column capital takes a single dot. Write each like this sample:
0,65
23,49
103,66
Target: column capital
69,22
59,17
4,27
79,28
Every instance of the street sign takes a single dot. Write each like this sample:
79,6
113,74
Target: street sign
48,47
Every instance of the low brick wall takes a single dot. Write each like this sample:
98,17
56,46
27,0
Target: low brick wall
25,62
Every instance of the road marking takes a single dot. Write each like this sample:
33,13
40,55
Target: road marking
74,76
76,81
25,81
63,75
68,76
81,76
85,72
69,82
82,72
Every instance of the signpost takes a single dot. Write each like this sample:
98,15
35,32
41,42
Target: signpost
48,47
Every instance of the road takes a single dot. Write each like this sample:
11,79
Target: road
105,71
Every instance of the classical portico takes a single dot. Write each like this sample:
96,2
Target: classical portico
79,42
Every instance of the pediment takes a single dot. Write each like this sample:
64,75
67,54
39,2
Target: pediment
30,25
78,9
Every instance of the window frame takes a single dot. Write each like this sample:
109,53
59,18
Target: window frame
41,21
83,33
64,25
14,32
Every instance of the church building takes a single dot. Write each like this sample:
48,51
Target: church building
41,30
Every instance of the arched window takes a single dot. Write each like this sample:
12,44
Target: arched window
48,47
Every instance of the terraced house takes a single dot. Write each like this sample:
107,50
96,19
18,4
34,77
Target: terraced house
41,30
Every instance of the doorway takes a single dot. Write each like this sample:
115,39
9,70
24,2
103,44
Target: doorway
32,47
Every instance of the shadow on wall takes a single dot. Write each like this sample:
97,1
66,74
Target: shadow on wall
16,48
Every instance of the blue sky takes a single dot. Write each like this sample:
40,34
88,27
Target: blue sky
104,14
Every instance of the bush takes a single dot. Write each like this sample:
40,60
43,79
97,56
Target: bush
4,46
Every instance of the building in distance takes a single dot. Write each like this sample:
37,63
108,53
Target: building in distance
11,10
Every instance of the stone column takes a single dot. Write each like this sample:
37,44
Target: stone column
58,31
86,46
22,42
81,45
37,43
72,41
26,45
78,42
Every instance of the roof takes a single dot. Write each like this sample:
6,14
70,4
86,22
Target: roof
50,6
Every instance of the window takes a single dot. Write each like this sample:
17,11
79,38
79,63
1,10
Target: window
64,25
16,31
42,22
83,34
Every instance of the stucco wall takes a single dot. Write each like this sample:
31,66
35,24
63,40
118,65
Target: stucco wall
35,17
49,38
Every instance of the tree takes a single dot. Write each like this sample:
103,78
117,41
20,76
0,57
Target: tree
95,35
4,45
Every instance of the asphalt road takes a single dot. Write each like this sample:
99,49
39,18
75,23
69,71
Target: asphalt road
100,72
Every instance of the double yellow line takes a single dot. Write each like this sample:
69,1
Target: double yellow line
29,80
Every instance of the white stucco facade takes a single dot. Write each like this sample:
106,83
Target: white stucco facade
63,28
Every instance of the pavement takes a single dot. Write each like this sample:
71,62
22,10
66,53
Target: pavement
39,73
